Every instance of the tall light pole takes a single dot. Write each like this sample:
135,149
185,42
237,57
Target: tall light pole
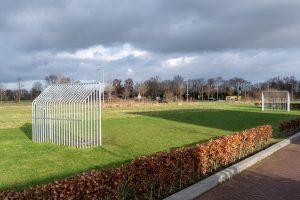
292,83
218,90
187,90
99,69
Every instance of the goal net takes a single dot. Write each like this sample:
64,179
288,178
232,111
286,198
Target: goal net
275,100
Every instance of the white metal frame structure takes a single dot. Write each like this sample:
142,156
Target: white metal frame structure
275,100
69,114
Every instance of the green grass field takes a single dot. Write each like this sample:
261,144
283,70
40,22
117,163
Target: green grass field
127,133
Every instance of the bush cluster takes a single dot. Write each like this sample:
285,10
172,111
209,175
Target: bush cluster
295,106
290,127
155,176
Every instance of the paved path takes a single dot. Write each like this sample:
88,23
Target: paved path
276,177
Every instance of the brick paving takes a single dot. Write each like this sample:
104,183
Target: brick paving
276,177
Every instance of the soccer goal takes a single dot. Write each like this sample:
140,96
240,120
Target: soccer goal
275,100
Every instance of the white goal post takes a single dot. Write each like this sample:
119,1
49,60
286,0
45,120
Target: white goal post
275,100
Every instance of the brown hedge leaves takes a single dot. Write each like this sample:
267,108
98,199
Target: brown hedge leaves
290,127
155,176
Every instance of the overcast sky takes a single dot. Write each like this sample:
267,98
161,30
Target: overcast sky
255,39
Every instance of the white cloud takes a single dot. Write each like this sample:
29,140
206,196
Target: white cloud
130,72
103,53
172,63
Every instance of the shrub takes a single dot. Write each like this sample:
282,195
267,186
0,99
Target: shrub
155,176
290,127
295,106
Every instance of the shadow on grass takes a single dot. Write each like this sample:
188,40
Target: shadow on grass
27,130
229,120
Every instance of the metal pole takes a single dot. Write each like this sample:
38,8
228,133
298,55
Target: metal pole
288,102
102,82
187,90
262,101
100,101
218,90
292,90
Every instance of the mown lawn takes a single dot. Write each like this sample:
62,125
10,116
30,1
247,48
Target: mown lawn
127,132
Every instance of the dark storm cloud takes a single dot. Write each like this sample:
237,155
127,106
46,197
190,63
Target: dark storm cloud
168,26
33,32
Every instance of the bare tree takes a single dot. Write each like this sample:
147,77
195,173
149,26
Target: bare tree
179,86
19,89
2,91
200,84
36,89
128,88
167,87
118,90
142,89
210,87
57,79
153,86
109,88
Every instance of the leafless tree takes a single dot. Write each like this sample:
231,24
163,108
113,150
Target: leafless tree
179,86
142,88
36,89
167,88
153,85
128,88
57,79
210,84
2,91
19,89
109,88
117,87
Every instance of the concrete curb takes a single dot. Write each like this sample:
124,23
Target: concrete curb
212,181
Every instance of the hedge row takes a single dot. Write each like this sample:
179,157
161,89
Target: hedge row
295,106
155,176
290,127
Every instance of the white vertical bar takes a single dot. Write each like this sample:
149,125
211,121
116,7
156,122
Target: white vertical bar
88,132
51,122
76,118
263,101
44,122
54,122
33,123
100,100
38,121
59,123
81,134
65,123
94,118
288,102
74,126
43,110
84,124
98,113
69,124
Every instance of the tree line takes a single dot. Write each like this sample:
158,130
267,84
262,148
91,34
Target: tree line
175,89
